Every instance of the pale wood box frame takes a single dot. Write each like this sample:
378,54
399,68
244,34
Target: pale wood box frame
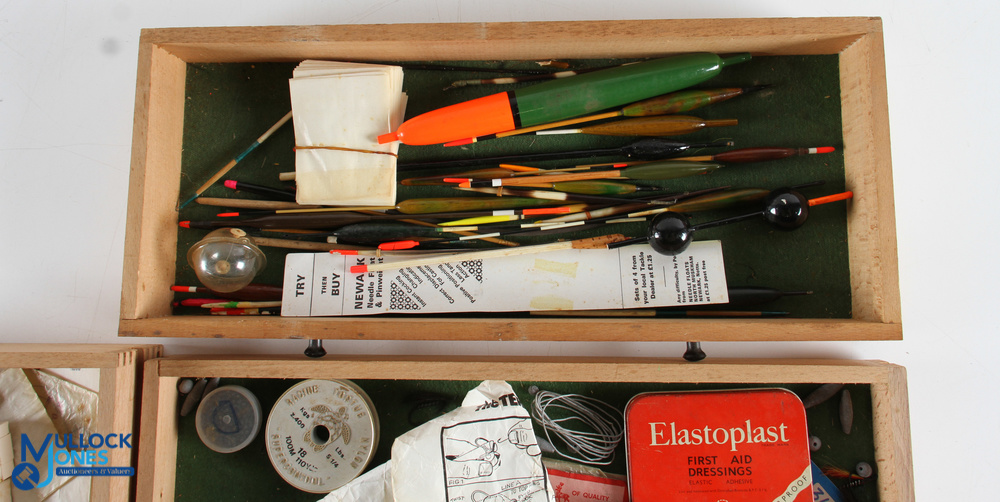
158,450
120,382
151,228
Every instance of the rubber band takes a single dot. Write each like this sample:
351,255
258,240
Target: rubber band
311,147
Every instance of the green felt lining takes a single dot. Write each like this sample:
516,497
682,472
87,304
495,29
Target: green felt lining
229,105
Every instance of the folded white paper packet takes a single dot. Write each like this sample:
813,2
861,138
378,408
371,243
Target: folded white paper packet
338,111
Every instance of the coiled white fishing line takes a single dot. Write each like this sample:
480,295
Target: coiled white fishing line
589,428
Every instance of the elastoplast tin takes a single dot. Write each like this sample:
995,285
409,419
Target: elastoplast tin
228,418
321,434
748,445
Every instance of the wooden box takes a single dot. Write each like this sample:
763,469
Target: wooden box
151,239
158,463
120,382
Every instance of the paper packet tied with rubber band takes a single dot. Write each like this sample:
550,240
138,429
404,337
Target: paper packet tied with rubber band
483,451
338,111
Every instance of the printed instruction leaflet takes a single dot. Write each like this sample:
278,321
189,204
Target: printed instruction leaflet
321,284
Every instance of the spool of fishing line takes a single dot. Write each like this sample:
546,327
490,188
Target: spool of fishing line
580,428
321,434
228,418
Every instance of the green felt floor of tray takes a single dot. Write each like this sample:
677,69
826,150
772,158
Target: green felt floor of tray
229,105
401,405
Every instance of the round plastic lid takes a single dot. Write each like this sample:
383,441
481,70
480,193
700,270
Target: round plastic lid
228,418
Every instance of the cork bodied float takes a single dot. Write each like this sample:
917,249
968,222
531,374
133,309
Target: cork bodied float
560,99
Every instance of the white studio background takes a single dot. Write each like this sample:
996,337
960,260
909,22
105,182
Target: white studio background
67,89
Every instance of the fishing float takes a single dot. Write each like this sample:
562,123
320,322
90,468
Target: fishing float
697,200
245,311
279,193
197,302
375,232
533,228
713,199
237,203
410,207
785,209
554,195
595,187
371,234
485,224
661,170
515,80
600,242
550,226
586,187
232,163
250,292
498,218
627,213
296,244
241,305
432,205
759,154
560,99
643,149
675,102
502,171
737,156
283,221
453,67
672,125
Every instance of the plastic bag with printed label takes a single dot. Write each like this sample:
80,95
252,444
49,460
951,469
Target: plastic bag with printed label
483,451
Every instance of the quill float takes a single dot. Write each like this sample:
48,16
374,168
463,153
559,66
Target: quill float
232,163
589,243
250,292
738,156
425,207
663,170
759,154
277,193
513,80
672,125
624,213
644,149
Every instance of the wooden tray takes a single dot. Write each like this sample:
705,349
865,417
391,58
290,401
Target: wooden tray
151,238
887,384
118,412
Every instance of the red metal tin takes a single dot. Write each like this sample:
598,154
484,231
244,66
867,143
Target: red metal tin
718,446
